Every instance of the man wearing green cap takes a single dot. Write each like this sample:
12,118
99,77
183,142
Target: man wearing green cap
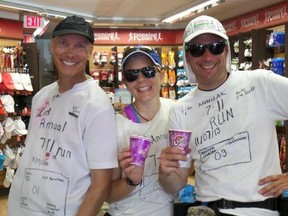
70,149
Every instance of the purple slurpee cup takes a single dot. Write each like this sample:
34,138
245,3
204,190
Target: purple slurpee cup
139,147
180,138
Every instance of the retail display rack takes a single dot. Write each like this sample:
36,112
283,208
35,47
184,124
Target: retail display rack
105,67
265,48
15,106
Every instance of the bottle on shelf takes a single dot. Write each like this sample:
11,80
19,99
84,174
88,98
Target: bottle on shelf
284,203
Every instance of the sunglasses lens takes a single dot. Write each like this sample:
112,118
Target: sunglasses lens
216,48
132,75
198,50
149,71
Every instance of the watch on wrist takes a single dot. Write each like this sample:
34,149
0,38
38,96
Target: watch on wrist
131,183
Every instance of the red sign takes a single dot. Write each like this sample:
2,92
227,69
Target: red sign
28,39
33,21
136,36
13,33
263,18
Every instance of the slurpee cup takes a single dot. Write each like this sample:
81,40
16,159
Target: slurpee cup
139,148
180,138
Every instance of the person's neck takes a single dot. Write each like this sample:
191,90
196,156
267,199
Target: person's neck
210,87
66,84
146,110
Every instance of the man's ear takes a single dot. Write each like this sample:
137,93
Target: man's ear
90,52
52,41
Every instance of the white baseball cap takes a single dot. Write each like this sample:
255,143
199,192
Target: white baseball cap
8,103
19,127
8,124
204,25
26,81
1,131
17,81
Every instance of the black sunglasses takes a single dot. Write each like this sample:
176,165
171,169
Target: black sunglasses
198,50
131,75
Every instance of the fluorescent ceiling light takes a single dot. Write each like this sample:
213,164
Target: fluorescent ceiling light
9,15
187,12
95,24
18,8
44,10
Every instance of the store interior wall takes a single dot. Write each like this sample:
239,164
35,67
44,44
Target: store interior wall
46,69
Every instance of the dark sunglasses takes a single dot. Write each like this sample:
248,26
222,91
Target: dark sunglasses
131,75
198,50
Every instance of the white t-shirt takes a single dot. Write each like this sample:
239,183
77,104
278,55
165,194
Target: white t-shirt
149,198
234,140
69,134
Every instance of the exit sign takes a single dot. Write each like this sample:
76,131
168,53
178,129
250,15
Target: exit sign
33,21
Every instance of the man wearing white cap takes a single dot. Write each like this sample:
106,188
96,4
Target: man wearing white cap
234,148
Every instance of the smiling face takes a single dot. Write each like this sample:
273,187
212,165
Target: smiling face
143,89
210,70
70,54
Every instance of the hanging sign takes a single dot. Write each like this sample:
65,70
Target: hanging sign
33,21
263,18
137,36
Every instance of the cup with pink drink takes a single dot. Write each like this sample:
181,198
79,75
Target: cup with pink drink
139,148
180,138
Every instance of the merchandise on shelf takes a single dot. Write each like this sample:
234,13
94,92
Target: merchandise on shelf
15,108
277,66
283,153
180,59
112,58
277,39
236,46
171,60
